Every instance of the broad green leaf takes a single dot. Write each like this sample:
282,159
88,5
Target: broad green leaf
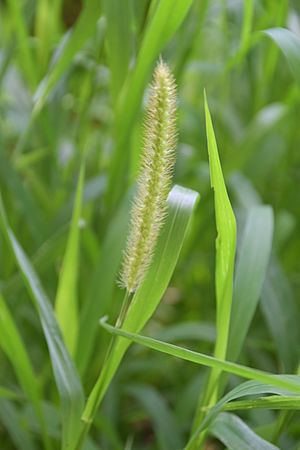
166,19
236,435
166,427
84,28
66,307
287,382
181,203
67,380
253,257
14,348
289,44
12,421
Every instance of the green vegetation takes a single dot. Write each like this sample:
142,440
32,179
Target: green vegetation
205,352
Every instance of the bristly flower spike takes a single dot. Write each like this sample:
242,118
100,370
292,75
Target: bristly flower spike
154,179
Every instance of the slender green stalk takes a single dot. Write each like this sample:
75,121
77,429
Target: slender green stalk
101,385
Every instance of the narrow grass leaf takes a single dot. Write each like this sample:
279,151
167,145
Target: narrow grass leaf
67,380
14,348
225,256
8,394
181,203
83,29
225,243
11,419
196,331
236,435
26,202
166,19
21,33
288,382
165,425
249,388
66,306
46,27
45,255
279,308
289,44
253,258
118,37
268,402
102,282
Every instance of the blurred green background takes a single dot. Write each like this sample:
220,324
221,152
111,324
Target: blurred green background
73,79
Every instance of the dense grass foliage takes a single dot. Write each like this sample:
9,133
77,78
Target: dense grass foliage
207,353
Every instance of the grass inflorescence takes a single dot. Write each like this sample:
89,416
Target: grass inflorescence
154,180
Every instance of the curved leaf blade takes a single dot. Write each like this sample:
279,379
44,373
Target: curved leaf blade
13,346
166,427
235,434
83,29
181,203
289,44
269,402
225,242
252,263
287,382
66,307
67,380
167,17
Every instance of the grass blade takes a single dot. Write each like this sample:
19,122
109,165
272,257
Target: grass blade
118,16
249,388
225,254
166,19
181,203
280,310
67,380
12,344
289,44
8,393
83,29
102,283
27,204
12,421
166,428
254,254
23,41
225,243
287,382
235,434
66,307
269,402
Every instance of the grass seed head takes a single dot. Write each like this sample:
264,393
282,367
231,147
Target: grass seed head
154,180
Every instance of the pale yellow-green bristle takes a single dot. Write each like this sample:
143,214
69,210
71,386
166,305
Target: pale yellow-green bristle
154,180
